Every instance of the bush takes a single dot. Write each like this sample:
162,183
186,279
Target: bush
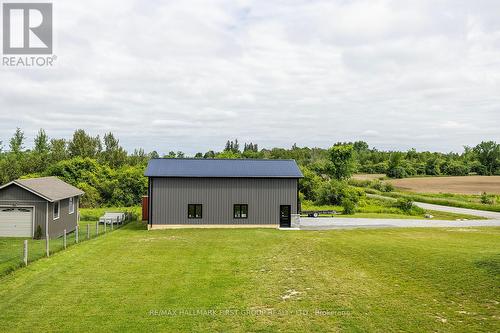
334,192
389,187
309,183
349,206
404,204
374,184
102,185
455,168
381,186
340,193
91,198
397,172
360,182
38,232
487,199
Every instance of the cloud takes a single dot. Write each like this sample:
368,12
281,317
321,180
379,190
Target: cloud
454,125
188,75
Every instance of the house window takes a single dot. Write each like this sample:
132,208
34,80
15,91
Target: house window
240,211
56,210
71,205
194,211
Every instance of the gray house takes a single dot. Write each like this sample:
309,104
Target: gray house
48,202
222,192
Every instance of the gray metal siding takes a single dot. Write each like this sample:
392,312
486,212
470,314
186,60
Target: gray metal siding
264,196
16,196
65,221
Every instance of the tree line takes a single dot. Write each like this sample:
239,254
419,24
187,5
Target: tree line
111,176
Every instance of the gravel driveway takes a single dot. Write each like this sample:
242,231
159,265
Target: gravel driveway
325,223
482,213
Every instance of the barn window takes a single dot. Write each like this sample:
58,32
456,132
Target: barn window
71,205
240,211
195,211
56,210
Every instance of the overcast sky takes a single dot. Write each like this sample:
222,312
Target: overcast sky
188,75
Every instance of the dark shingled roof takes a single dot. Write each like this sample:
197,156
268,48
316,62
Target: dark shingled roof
230,168
49,188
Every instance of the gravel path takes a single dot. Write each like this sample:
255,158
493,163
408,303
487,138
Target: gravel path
482,213
325,223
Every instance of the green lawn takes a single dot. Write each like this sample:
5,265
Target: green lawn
11,249
262,280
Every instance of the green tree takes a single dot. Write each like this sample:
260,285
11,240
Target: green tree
10,168
310,184
232,146
433,166
455,168
395,168
171,154
58,150
488,154
113,154
39,158
84,145
17,141
209,154
41,142
342,164
250,147
335,192
228,154
154,154
138,157
360,146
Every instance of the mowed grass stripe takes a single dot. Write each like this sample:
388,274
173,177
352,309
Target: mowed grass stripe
386,280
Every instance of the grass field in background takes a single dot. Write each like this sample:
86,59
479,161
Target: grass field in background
470,185
462,192
444,199
262,280
384,209
93,214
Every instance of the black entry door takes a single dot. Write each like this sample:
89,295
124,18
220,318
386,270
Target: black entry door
285,218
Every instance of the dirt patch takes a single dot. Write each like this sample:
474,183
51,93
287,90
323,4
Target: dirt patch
291,294
458,185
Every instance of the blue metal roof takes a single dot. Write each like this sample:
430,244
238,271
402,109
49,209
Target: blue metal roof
244,168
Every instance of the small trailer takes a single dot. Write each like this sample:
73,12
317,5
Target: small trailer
317,213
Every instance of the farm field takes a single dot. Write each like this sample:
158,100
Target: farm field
458,185
262,280
445,199
368,176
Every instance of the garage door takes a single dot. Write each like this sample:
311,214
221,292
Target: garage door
16,222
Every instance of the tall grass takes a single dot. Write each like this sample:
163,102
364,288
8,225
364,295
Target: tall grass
439,199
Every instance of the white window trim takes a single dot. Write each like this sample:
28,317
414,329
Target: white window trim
71,205
58,210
